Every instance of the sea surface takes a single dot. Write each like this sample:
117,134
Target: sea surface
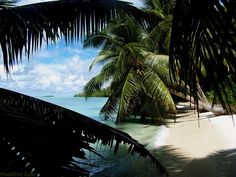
122,164
89,107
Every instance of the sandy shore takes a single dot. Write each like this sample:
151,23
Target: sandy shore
205,148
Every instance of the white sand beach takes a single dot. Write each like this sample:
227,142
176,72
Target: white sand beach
204,148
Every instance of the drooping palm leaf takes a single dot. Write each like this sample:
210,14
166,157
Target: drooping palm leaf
24,28
48,137
102,58
156,89
160,65
96,82
130,91
109,109
102,40
203,44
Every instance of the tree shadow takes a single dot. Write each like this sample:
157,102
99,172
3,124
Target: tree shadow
219,164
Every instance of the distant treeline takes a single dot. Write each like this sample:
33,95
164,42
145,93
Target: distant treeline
101,93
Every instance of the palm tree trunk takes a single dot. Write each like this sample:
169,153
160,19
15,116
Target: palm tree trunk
202,105
201,94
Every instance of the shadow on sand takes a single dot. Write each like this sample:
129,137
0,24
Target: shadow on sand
218,164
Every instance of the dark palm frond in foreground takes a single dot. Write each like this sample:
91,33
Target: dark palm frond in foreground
203,44
24,28
41,138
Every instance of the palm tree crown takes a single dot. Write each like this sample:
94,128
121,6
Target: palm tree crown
129,66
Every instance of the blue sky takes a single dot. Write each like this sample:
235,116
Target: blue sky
56,69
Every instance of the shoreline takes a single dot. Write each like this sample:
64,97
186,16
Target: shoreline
206,151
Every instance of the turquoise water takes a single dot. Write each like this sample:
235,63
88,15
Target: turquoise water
122,164
90,107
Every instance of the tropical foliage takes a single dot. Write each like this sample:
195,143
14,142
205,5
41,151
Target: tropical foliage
38,137
160,15
133,73
203,45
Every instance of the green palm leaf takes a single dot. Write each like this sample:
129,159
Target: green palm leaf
159,13
103,57
156,89
130,91
103,40
111,105
96,82
160,65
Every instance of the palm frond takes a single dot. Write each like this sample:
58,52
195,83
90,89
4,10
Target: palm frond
107,42
110,107
158,38
205,40
164,6
50,137
24,28
160,65
103,57
156,89
96,82
150,41
131,89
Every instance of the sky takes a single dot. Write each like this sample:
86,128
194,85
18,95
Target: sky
57,69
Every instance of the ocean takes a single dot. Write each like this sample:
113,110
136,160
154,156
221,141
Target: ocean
89,107
122,164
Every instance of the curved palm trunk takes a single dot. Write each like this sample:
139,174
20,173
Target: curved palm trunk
202,104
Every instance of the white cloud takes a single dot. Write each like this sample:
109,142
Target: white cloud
65,75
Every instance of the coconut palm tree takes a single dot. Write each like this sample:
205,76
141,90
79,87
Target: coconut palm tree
203,45
42,139
128,58
130,69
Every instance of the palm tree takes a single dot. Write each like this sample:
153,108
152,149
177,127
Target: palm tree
128,58
135,83
203,44
38,137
